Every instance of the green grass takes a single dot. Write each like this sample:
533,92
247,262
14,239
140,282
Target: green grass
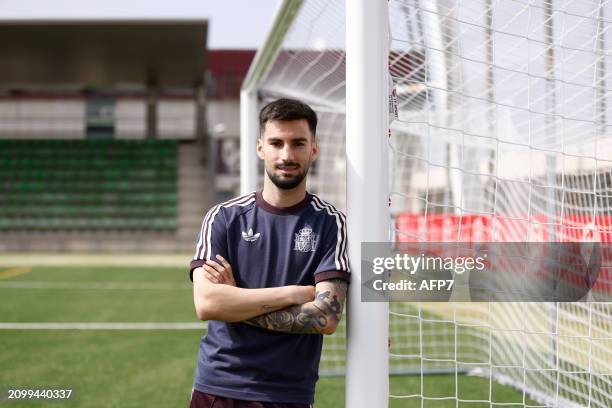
103,368
99,305
141,368
111,368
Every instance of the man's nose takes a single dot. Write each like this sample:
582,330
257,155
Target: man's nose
287,152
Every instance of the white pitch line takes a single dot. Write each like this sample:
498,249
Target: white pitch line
102,326
174,260
93,285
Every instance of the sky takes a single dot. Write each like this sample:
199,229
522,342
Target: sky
232,23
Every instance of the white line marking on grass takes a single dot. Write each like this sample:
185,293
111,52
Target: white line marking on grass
128,260
103,326
93,285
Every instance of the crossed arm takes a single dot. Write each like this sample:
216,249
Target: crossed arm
290,309
321,315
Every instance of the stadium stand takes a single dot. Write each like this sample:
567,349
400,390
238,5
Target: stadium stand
104,144
88,184
118,150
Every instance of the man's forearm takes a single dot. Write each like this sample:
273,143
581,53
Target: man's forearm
306,318
233,304
320,316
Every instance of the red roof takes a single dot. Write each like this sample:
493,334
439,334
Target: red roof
229,62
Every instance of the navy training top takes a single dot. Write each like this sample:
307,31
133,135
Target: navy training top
268,247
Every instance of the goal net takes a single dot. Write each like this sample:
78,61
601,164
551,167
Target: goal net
502,135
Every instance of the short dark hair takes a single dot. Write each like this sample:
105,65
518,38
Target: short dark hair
286,109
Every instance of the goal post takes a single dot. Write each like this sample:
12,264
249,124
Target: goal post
249,128
367,55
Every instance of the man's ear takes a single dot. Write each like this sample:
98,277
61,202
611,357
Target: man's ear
260,147
314,151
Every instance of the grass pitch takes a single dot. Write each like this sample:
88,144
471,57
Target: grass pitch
141,368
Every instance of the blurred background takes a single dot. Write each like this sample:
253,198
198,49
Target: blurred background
119,125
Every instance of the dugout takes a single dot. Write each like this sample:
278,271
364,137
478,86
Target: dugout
103,139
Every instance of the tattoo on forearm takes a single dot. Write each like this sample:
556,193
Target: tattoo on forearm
311,317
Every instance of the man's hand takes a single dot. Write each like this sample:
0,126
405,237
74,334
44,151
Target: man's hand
219,272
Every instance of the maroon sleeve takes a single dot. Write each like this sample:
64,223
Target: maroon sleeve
194,264
327,275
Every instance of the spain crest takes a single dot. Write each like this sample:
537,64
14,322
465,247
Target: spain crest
305,240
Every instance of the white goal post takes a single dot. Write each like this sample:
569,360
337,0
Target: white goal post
367,210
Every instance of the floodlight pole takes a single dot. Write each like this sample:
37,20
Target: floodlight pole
367,55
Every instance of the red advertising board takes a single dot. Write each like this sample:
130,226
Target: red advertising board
535,228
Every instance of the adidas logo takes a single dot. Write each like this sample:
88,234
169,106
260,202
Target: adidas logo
249,237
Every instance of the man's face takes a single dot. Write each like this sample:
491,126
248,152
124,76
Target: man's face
287,149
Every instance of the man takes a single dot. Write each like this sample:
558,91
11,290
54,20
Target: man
270,274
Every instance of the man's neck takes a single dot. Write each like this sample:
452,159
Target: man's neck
283,198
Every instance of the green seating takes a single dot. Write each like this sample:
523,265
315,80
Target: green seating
88,184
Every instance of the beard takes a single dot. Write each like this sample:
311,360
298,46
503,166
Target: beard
287,183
